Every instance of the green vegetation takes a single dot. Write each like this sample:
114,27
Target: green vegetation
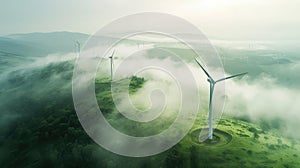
53,137
135,84
247,148
103,91
40,128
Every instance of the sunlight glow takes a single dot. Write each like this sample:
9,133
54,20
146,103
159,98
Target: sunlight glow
216,4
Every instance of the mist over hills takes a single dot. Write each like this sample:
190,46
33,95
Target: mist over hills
39,44
39,125
24,48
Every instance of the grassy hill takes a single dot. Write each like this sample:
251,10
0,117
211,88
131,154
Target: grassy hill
51,136
39,126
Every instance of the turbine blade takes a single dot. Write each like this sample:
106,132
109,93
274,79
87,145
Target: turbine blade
207,74
112,55
233,76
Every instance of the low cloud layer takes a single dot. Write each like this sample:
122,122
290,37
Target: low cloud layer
265,100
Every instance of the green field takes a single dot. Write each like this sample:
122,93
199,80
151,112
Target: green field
40,128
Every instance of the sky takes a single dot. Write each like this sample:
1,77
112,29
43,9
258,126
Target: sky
220,19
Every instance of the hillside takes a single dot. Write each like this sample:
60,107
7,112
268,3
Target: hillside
50,135
40,128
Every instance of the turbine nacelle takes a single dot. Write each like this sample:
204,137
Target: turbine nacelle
211,81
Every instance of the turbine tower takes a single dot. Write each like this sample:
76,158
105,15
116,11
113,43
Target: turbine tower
212,83
111,57
77,44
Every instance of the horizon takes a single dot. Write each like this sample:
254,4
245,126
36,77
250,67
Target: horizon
97,84
221,19
210,38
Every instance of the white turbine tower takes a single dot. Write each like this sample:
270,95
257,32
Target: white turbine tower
212,83
77,44
111,57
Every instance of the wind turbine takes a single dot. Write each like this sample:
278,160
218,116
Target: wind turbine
77,44
111,57
212,83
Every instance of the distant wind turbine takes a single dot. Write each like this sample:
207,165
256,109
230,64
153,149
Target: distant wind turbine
212,83
111,57
77,44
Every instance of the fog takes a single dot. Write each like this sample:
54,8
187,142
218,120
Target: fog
32,86
261,98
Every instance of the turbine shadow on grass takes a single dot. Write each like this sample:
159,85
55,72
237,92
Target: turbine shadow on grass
220,138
